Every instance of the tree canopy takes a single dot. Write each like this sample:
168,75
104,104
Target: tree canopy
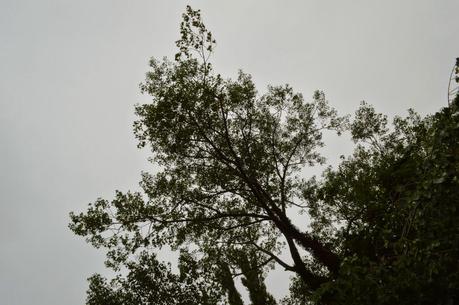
380,228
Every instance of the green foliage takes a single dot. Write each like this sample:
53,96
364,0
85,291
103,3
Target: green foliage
397,198
150,282
383,224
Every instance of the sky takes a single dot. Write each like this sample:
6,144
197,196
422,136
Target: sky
69,76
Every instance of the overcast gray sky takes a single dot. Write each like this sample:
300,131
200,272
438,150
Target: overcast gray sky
69,80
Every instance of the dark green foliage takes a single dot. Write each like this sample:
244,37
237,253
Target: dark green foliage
253,280
383,224
151,282
397,198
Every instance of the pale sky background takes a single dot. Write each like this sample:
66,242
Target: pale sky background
69,75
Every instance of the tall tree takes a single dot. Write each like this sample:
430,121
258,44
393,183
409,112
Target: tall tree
231,163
